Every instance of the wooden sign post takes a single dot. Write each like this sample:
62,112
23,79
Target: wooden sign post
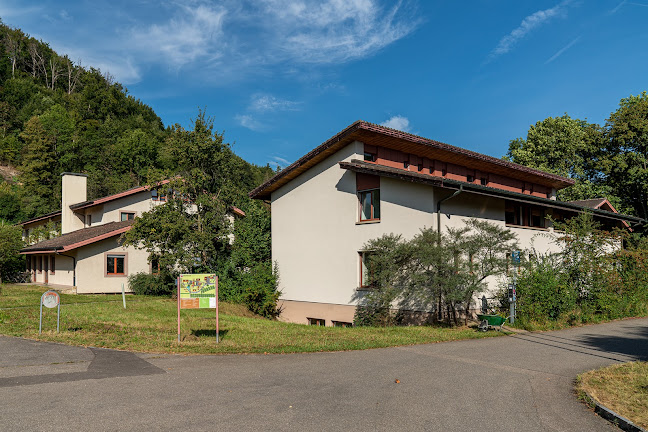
198,291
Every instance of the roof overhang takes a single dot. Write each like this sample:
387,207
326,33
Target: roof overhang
382,136
383,171
59,249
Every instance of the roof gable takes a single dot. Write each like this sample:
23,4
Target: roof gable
377,135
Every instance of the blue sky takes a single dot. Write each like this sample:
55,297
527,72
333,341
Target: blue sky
280,77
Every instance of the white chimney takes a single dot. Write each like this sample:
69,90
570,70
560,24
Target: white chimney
75,190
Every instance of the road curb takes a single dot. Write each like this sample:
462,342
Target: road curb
614,418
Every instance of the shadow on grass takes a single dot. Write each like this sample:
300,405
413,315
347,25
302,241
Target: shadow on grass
209,333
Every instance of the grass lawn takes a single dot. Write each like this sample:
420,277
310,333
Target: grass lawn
623,388
149,324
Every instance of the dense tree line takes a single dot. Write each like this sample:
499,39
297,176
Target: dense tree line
57,115
605,161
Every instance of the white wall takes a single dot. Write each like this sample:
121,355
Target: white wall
91,272
316,235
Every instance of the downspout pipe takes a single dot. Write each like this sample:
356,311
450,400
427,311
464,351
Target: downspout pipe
73,266
457,192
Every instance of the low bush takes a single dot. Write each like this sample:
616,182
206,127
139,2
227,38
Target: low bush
148,284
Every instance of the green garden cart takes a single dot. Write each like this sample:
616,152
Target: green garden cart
491,321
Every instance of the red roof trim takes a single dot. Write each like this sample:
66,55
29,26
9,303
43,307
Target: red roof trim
81,243
264,190
133,191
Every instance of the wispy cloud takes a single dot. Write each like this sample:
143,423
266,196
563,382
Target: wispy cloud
192,33
562,50
527,25
397,122
269,103
315,31
277,161
249,122
619,6
265,33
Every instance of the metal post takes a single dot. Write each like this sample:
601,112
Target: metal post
124,296
40,324
178,284
58,318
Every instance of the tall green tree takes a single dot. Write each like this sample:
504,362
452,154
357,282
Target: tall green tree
626,153
568,147
435,272
11,262
40,183
191,231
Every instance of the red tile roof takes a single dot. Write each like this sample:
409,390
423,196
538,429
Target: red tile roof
374,134
79,238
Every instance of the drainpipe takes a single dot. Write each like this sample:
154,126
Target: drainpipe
457,192
73,266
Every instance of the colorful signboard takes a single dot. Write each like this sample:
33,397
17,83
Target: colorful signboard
198,291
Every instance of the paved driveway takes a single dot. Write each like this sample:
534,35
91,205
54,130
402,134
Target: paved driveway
515,383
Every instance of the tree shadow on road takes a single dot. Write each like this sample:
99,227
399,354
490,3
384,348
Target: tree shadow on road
633,343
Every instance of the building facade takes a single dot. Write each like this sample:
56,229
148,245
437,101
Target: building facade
370,180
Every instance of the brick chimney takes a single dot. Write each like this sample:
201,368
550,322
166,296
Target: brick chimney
75,190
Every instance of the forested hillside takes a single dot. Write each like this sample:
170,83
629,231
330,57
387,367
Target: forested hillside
57,116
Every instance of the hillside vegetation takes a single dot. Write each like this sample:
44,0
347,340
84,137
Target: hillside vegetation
60,116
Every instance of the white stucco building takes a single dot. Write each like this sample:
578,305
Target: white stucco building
370,180
87,257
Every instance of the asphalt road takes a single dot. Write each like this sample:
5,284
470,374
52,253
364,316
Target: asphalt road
515,383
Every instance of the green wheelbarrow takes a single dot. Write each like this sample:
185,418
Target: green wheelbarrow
491,321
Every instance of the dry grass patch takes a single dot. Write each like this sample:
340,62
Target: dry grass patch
623,388
149,324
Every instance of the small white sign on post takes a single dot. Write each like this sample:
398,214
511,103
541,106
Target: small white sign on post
50,299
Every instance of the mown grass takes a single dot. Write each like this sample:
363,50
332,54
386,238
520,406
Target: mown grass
149,324
623,388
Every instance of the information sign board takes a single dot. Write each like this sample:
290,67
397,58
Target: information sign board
198,291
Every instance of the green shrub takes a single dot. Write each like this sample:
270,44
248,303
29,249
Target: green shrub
543,292
260,293
148,284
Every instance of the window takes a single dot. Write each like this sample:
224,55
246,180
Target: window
524,215
406,164
52,264
127,216
154,195
369,157
115,264
369,204
484,182
342,324
420,167
40,264
366,270
443,172
470,179
155,266
316,322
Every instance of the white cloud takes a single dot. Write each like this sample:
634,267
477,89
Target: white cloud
235,38
562,50
249,122
397,122
193,33
314,31
266,103
282,161
527,25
